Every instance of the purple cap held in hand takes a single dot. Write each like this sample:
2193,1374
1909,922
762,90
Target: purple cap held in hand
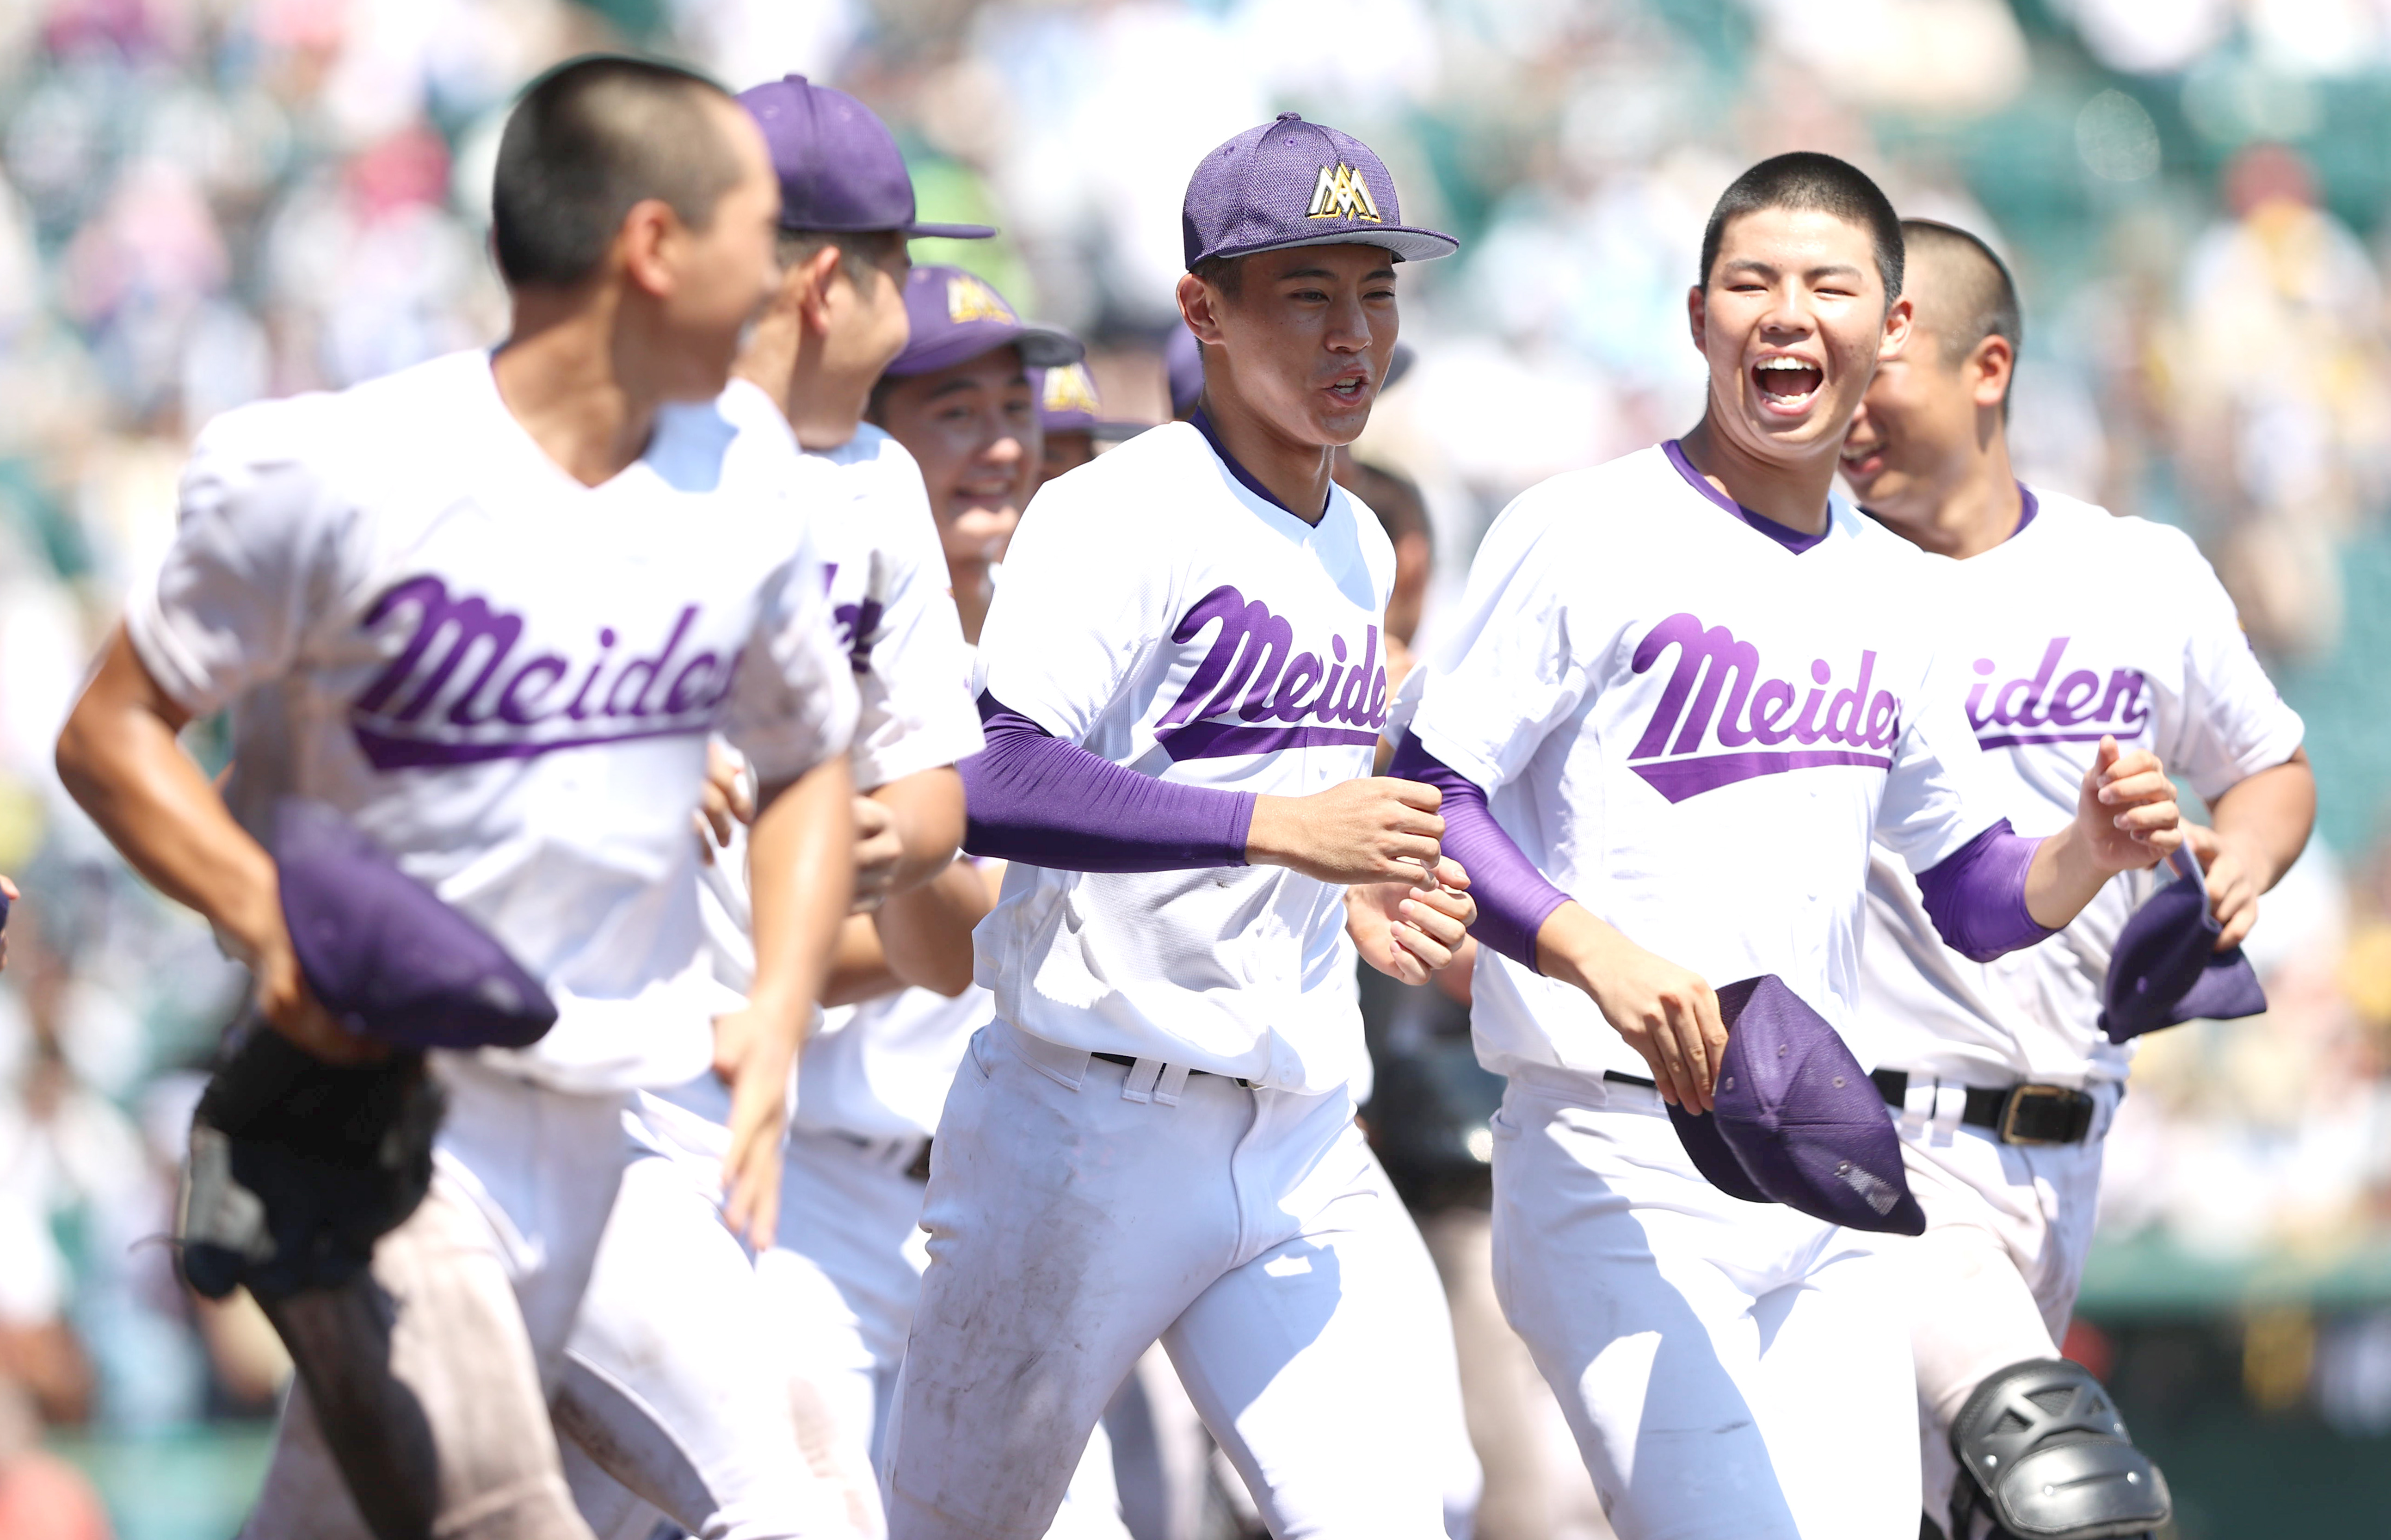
2166,969
956,317
1797,1119
1293,183
384,955
841,172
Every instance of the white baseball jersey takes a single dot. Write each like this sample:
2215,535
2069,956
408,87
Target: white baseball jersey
1693,728
1165,615
505,676
2056,651
888,599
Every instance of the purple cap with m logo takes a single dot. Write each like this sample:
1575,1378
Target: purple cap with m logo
1293,183
1796,1121
956,316
384,955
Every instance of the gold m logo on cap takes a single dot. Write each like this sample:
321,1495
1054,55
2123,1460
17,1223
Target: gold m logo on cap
1341,194
970,300
1068,389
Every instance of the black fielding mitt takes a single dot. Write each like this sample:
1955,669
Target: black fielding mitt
297,1167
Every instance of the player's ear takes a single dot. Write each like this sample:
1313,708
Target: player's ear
1989,369
1897,318
1199,307
1696,313
645,244
812,279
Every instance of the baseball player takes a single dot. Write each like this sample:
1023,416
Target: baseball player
2005,1082
1693,682
682,1363
1155,1136
501,661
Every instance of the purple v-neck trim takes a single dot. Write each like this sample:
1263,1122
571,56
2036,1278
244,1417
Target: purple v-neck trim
2025,518
1787,536
1203,425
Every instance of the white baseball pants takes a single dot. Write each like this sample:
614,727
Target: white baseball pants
1080,1209
1995,1276
1732,1370
455,1335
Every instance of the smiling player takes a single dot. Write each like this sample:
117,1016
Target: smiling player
1154,1137
1694,683
2006,1082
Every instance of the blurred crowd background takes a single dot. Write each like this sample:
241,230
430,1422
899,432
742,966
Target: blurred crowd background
204,201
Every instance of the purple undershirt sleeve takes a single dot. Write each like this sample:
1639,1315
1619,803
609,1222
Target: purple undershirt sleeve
1514,899
1031,798
1976,895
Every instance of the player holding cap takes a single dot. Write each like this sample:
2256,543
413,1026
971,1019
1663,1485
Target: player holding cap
1155,1138
2004,1079
1693,682
501,661
682,1359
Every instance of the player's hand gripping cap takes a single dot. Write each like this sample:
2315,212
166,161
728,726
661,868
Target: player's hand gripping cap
957,317
384,955
1796,1121
1293,183
2166,969
840,170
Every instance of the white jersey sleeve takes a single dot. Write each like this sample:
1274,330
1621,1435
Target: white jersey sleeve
2232,723
257,555
912,668
1936,798
1080,613
1510,673
793,705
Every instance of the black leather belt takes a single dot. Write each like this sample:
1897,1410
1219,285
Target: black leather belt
2016,1114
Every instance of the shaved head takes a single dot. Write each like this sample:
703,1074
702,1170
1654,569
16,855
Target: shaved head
1963,291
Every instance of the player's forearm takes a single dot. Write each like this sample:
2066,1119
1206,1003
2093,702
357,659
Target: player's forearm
801,866
119,758
2268,818
926,934
1577,947
2064,875
928,810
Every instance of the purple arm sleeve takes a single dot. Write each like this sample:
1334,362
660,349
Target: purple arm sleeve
1031,798
1976,895
1514,899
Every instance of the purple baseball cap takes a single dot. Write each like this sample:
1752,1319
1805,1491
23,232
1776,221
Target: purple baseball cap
1292,183
957,317
384,955
1067,403
1797,1119
841,172
2166,969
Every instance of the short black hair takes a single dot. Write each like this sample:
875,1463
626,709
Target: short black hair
1984,298
1222,273
858,252
589,140
1805,179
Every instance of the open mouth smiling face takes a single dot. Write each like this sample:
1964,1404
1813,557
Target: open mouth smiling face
1786,383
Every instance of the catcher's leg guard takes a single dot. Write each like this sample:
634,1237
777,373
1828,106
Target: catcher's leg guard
2050,1459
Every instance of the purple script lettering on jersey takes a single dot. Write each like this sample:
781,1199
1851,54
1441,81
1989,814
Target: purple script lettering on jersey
1253,670
1757,710
653,694
2079,709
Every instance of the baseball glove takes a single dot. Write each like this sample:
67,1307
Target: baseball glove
297,1166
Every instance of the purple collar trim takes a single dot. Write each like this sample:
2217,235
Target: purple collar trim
1784,535
1203,425
2025,518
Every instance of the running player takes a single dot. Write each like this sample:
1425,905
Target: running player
2005,1081
1693,682
682,1360
502,661
1154,1137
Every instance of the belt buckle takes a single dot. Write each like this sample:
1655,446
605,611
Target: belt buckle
2019,1096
